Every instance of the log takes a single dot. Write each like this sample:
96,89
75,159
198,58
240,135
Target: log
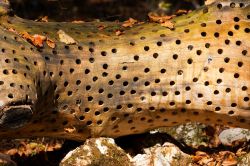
81,80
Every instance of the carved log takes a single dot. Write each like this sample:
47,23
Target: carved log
97,83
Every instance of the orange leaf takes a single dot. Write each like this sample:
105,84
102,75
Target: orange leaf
27,36
101,27
180,12
12,30
118,32
38,40
129,23
42,19
168,24
77,21
160,19
50,43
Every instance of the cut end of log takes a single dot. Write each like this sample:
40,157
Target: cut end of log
15,117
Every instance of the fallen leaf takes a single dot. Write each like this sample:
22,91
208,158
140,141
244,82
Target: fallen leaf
12,152
65,38
230,160
12,30
118,32
50,43
240,152
129,23
101,27
200,153
38,40
181,12
160,19
205,161
168,24
77,21
27,36
42,19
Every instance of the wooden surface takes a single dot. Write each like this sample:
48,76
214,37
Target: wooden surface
147,77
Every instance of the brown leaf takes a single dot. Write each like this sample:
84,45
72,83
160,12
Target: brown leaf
118,32
42,19
12,151
181,12
240,152
200,153
38,40
160,19
168,24
230,160
50,43
101,27
129,23
27,36
12,30
77,21
205,161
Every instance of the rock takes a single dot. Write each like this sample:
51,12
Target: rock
166,155
234,135
103,151
97,151
193,134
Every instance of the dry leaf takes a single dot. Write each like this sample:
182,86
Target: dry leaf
160,19
181,12
230,160
168,24
42,19
65,38
119,32
50,43
12,152
77,21
27,36
200,153
12,30
129,23
38,40
101,27
240,152
205,161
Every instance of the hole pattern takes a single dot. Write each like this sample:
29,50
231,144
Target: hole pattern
127,86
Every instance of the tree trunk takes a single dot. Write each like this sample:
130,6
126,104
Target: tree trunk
78,80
